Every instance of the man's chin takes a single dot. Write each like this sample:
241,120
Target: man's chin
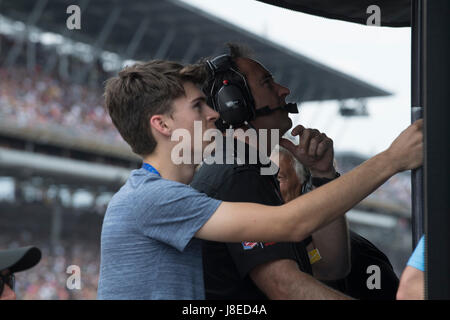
290,124
286,126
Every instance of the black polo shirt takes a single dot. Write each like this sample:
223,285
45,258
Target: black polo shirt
227,265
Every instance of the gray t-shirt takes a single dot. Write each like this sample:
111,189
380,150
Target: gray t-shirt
147,245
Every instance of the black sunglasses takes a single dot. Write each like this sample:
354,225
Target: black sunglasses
9,279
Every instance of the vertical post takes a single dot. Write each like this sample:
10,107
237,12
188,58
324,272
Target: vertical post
34,16
56,224
31,55
416,113
164,46
99,42
436,79
137,38
191,51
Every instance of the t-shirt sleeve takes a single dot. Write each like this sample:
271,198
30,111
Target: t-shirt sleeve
247,255
417,259
174,212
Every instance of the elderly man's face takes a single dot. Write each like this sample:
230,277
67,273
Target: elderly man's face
290,185
8,293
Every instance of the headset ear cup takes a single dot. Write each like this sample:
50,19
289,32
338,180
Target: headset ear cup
232,105
233,100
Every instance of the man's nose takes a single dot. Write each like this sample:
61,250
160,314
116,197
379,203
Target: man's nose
212,115
8,293
283,91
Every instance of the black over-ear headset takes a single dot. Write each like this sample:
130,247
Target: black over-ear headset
232,98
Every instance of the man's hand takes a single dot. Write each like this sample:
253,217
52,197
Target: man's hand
406,151
315,151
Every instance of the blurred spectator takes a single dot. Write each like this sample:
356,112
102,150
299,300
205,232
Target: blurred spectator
412,280
47,281
11,262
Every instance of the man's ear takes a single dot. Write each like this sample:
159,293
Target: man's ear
159,123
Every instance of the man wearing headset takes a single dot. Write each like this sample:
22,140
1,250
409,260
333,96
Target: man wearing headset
251,270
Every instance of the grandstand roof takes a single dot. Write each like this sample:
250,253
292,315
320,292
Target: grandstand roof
23,165
395,13
170,29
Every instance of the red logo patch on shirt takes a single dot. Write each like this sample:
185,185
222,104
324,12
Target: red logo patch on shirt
247,245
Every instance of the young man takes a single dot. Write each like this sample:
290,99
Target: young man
148,250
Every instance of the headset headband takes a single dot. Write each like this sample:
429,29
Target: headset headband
220,63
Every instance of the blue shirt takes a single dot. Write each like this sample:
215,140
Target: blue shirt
147,245
417,259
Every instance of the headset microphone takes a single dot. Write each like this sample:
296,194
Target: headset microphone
290,108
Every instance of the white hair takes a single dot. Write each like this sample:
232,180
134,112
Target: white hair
300,170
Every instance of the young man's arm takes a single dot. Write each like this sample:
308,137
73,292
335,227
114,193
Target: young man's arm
303,216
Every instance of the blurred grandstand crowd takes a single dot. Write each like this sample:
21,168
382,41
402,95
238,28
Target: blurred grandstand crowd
78,244
47,281
43,99
396,191
40,98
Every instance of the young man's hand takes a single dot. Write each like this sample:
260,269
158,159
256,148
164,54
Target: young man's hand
406,152
315,151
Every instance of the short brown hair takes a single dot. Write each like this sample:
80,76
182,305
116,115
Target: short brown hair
239,50
143,90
